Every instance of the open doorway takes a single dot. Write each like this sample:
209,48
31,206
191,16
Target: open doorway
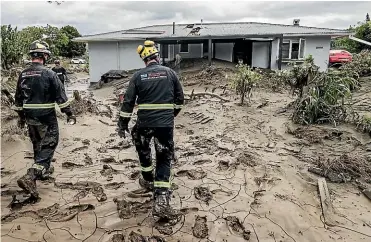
242,50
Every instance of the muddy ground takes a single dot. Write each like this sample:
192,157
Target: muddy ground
241,174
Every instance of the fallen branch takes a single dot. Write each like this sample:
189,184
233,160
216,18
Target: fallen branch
207,94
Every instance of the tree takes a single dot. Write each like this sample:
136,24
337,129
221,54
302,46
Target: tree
71,49
11,47
244,81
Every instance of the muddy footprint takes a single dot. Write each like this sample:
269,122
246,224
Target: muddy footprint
203,194
192,174
236,226
200,229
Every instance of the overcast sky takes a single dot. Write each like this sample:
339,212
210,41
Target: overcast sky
96,17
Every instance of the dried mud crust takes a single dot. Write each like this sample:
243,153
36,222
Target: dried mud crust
236,226
135,237
203,194
192,174
53,213
200,229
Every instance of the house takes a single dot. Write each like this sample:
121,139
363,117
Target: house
261,45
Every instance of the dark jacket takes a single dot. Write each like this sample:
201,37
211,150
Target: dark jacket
61,72
38,91
159,96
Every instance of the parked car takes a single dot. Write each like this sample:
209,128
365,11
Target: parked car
77,61
339,56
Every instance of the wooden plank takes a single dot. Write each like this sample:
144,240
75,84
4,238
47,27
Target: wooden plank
327,208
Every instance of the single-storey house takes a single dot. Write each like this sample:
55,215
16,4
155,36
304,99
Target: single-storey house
260,45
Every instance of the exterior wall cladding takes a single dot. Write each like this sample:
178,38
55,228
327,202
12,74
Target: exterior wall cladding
105,56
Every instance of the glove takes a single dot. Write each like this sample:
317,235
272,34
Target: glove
71,118
123,127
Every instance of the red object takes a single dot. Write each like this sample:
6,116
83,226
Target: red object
121,97
340,56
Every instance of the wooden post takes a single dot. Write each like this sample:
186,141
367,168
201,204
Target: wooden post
210,51
280,53
270,55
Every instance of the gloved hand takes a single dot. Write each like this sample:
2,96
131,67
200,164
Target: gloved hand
71,119
123,127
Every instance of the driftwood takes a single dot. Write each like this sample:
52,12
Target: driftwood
206,94
327,209
8,95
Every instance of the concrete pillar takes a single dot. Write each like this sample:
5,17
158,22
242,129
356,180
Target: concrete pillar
210,51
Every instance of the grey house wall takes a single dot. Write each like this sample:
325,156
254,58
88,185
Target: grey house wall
260,54
105,56
224,51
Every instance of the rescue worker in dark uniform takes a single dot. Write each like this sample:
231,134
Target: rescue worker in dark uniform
159,96
61,72
38,91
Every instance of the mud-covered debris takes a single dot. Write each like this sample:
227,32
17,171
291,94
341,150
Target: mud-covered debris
200,229
70,165
129,209
202,162
35,214
347,167
85,142
228,193
247,158
108,160
117,238
314,134
203,194
114,185
165,230
81,185
229,147
108,171
102,149
135,175
88,160
135,237
98,192
63,215
124,144
236,226
223,165
192,174
79,149
28,154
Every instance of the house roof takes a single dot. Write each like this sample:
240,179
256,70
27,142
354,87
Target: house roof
213,30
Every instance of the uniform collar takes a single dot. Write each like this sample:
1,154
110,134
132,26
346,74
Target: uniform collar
153,63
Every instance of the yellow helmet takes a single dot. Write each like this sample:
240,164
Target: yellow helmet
149,49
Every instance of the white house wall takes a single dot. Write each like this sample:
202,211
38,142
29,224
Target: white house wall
129,58
260,54
224,51
317,46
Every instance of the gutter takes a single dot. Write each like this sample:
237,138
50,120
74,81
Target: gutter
359,40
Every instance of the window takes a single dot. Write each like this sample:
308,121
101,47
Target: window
293,49
184,48
164,51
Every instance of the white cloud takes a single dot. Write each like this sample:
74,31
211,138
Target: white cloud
96,17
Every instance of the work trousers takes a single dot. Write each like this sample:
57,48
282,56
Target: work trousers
164,146
44,138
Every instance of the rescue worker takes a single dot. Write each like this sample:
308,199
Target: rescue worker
159,96
38,91
61,72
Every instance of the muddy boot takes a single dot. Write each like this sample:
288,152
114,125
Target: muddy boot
28,183
161,207
146,184
48,173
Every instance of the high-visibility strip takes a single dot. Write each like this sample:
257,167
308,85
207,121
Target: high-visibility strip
156,106
162,184
146,169
178,106
125,115
63,105
38,167
39,106
17,108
